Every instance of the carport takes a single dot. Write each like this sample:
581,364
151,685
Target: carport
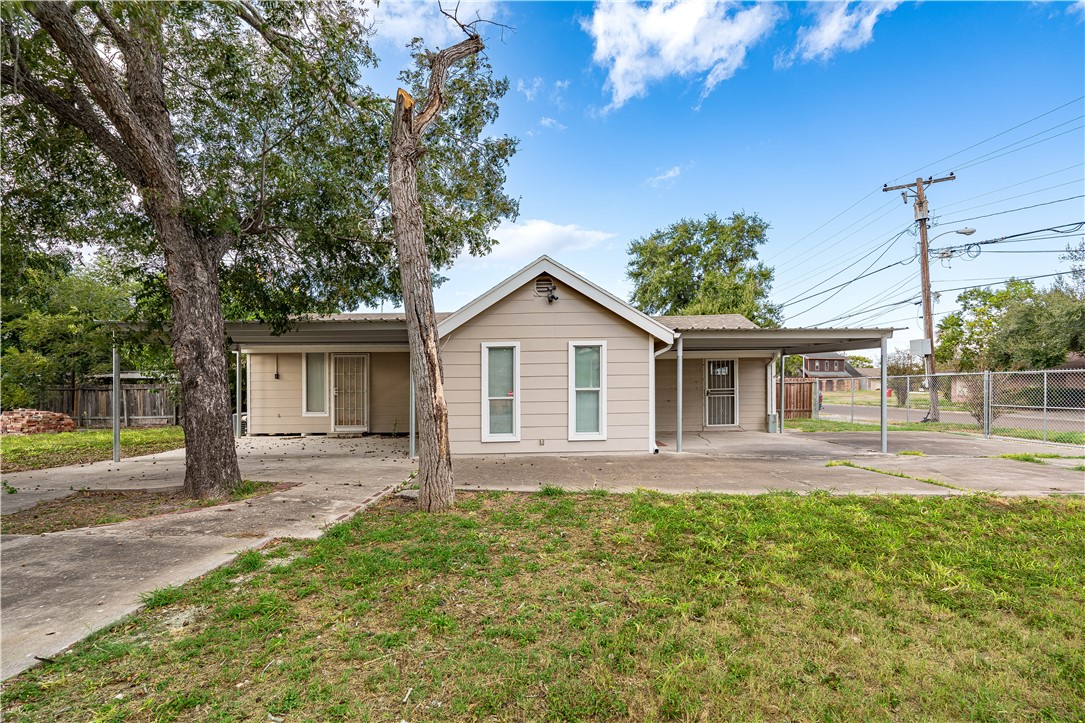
694,337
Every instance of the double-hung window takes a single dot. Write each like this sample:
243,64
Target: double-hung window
501,391
314,385
587,390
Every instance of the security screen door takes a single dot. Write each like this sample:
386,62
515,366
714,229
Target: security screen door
349,391
720,396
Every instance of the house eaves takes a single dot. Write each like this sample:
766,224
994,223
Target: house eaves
547,265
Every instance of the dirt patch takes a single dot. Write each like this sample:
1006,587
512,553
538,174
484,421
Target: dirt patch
90,508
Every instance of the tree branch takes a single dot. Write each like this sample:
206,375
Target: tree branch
74,112
439,65
57,20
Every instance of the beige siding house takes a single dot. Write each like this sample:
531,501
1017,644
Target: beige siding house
546,362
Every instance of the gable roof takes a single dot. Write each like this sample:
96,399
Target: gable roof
547,265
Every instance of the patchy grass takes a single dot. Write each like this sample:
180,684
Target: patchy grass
615,607
829,425
928,480
1024,457
19,453
89,508
1079,468
911,453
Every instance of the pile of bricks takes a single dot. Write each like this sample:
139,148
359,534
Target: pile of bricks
33,421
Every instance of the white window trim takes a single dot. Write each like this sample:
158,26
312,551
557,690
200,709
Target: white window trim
575,436
305,386
515,436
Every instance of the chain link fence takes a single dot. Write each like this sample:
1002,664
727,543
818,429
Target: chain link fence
1047,406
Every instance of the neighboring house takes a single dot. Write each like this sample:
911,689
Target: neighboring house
832,370
870,378
544,362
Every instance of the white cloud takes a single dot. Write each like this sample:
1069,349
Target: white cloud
529,89
548,122
400,21
557,94
667,177
524,241
641,44
1077,8
837,26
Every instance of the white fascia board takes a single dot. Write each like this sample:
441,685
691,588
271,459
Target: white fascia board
545,264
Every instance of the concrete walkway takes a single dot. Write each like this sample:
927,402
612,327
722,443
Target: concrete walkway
60,587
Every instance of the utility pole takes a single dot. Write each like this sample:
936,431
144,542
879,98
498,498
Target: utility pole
921,216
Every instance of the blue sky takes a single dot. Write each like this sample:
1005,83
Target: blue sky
633,116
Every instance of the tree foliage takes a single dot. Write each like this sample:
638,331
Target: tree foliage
52,330
1015,327
707,266
232,158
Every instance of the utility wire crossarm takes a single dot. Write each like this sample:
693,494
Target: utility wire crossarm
922,214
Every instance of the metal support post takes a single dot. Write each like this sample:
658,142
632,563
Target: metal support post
986,403
237,393
116,402
783,389
1045,405
853,401
885,389
678,424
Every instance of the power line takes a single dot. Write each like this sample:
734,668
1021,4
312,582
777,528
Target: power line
1012,210
889,244
1014,185
996,135
1078,181
909,173
1013,238
990,155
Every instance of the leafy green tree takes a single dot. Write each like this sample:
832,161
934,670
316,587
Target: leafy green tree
233,158
704,266
1039,332
53,335
964,337
860,362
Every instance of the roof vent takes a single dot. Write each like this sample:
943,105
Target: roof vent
543,285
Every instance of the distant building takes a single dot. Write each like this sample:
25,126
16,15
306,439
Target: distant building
833,372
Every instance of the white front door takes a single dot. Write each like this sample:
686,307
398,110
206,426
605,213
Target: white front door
721,393
350,387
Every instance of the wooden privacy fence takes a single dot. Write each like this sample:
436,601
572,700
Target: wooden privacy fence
799,396
142,405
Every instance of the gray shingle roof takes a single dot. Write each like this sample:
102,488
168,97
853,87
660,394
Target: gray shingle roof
708,322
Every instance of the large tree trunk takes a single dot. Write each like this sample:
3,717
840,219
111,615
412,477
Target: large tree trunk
199,353
435,484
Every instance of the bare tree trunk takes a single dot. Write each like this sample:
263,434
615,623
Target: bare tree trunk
436,491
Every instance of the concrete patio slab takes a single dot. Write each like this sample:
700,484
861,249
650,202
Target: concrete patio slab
59,587
936,443
680,474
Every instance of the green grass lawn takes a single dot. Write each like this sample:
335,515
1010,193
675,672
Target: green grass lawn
594,607
829,425
40,451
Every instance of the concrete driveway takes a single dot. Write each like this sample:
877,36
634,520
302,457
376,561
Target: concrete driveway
57,588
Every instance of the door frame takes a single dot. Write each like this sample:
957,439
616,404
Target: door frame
335,426
704,404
